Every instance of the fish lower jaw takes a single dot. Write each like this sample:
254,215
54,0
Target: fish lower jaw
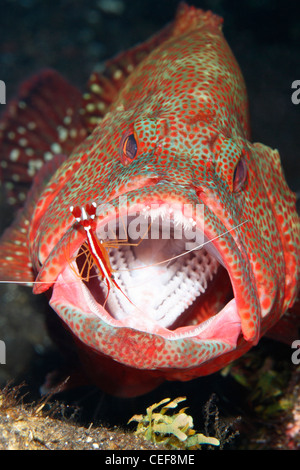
224,326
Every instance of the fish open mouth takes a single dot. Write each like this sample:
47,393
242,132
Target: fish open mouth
167,279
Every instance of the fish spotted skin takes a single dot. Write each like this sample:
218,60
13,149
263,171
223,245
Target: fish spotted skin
181,100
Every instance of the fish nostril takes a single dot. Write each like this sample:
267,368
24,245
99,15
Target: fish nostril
162,181
162,178
199,192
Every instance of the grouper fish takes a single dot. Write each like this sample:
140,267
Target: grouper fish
166,241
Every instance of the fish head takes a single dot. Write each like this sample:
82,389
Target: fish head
199,242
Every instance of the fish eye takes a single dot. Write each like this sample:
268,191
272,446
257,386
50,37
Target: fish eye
129,148
239,175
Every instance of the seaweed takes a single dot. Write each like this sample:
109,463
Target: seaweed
173,430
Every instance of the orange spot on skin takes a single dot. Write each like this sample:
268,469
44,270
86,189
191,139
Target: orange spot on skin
52,271
266,303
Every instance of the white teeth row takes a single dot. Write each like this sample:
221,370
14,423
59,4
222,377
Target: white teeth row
149,219
160,293
165,211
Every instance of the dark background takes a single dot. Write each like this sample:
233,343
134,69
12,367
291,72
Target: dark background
74,37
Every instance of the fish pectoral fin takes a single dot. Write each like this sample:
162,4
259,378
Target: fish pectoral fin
15,262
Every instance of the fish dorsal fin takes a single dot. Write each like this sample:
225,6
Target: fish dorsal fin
41,122
104,86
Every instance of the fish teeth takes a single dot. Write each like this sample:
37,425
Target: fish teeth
161,293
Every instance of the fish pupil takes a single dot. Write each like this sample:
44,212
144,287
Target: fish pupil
239,176
130,147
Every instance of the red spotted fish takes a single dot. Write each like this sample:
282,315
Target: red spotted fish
166,241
